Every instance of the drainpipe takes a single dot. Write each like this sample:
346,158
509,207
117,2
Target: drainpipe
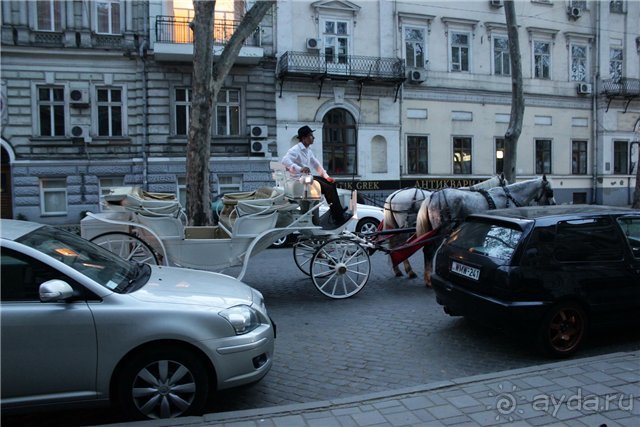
594,112
145,180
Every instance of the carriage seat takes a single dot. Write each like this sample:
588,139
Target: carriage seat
251,204
293,189
137,200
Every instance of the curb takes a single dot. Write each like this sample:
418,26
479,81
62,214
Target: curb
298,408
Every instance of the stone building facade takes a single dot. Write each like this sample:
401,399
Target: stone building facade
96,93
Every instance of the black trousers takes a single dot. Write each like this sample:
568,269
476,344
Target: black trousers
331,194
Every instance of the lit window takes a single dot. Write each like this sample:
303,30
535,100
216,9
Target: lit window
499,155
53,196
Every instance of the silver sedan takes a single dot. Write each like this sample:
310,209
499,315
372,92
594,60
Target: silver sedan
81,325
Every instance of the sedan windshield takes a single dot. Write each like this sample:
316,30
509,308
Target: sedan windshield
104,267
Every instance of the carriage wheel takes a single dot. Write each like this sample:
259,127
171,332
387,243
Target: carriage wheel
127,246
303,251
340,268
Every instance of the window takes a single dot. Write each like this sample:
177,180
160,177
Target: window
580,4
228,184
496,241
543,156
109,112
339,142
631,228
461,155
587,240
499,155
615,63
621,157
579,158
108,16
53,196
182,112
579,63
460,52
228,112
418,154
49,15
541,59
414,46
51,111
616,6
336,41
501,59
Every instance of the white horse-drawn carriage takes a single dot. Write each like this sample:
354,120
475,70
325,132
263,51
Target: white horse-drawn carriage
150,227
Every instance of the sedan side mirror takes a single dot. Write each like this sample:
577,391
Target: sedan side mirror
55,290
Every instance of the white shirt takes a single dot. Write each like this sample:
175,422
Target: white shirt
299,157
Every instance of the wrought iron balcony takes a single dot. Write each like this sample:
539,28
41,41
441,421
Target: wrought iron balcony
622,88
321,66
345,67
174,29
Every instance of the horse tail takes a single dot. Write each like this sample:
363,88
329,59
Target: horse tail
422,221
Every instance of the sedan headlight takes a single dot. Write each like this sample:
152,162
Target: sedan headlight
243,318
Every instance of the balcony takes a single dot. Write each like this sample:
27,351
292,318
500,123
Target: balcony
360,69
174,40
623,88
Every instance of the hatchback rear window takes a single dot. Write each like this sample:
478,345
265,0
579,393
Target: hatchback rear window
496,241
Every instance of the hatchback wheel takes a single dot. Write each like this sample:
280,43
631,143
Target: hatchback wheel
163,383
563,330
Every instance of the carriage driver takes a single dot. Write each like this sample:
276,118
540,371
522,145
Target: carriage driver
300,159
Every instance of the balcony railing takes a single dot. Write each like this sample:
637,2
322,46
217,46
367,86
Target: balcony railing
173,29
346,67
625,88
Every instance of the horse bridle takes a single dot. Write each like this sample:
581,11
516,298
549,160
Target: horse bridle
547,192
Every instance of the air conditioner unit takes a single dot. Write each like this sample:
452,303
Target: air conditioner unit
260,148
417,75
314,44
574,12
584,88
259,131
81,133
495,3
79,97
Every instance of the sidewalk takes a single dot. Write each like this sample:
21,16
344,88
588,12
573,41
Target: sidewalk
597,391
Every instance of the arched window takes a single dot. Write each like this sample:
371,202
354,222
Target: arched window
339,144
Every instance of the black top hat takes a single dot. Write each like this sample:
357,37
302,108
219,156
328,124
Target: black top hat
304,131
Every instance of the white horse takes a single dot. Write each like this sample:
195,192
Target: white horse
401,211
446,208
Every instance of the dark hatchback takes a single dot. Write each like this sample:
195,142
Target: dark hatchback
556,270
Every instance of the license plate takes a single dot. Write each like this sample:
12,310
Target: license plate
465,270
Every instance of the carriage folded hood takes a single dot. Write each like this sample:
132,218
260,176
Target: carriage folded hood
170,285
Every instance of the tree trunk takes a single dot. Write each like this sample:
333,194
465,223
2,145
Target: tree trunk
517,97
207,82
199,148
